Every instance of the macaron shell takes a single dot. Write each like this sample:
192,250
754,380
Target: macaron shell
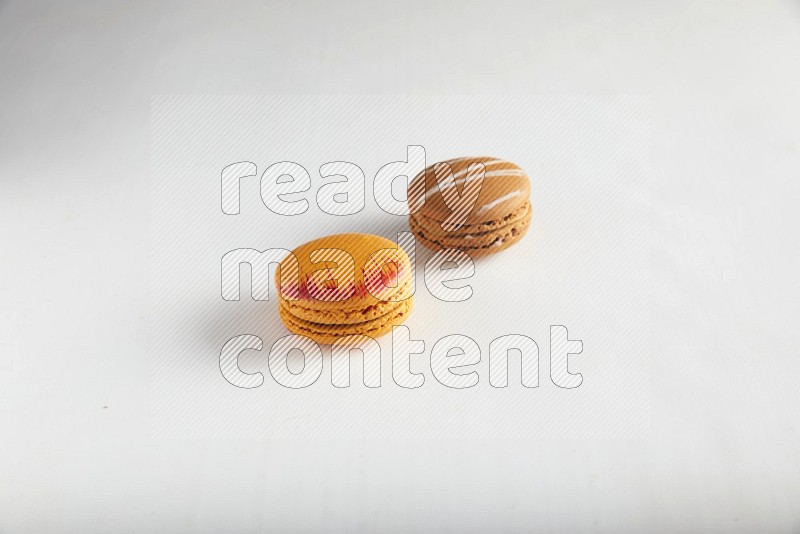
503,235
360,247
347,315
505,188
433,227
328,333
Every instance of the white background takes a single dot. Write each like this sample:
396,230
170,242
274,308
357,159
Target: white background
585,264
78,452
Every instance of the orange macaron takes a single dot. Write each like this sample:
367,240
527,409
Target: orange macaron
344,284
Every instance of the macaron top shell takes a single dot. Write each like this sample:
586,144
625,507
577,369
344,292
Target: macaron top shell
345,272
505,188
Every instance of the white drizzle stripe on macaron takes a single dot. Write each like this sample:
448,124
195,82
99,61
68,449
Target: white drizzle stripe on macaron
491,174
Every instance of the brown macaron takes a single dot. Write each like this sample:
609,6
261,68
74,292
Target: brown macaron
498,218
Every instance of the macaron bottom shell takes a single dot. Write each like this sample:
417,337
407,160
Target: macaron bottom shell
326,333
476,239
